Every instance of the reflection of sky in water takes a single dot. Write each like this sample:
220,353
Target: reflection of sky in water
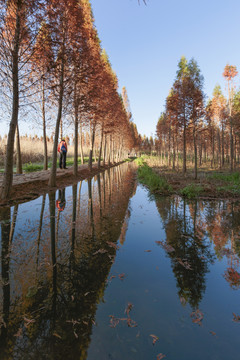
143,274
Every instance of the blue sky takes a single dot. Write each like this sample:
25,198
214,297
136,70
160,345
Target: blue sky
145,43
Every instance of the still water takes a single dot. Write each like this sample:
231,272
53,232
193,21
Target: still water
101,270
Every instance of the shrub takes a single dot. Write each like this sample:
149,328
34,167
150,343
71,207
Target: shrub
191,191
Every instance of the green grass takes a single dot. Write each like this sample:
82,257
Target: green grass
191,191
154,182
233,188
32,167
233,178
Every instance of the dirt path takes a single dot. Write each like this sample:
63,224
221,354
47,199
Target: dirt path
31,185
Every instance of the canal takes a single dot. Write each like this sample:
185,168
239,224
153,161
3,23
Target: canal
103,270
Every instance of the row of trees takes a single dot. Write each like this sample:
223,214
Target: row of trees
51,62
191,127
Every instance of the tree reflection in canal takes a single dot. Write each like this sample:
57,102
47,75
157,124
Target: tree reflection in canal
187,226
57,268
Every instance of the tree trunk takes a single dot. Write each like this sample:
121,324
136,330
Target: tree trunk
92,138
8,166
195,152
231,145
222,146
75,163
45,164
52,178
109,150
18,148
104,149
100,149
80,141
184,148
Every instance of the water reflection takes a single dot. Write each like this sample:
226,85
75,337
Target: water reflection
189,226
57,262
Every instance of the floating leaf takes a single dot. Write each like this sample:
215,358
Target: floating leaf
100,251
155,338
160,356
128,308
113,321
147,250
121,276
213,333
58,336
197,317
236,318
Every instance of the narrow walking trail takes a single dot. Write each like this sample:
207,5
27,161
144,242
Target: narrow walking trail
30,185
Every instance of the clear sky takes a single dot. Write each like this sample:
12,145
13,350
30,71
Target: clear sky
145,43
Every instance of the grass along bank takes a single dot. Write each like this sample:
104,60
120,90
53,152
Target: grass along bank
210,183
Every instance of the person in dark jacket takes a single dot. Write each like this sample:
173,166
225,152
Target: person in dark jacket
62,149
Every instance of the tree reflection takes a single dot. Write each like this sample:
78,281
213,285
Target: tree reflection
53,315
5,219
191,256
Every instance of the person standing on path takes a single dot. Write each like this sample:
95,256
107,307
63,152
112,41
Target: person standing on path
62,149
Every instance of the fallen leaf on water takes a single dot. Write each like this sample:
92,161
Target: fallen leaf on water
197,317
128,308
131,323
27,322
160,356
112,277
100,251
155,338
58,336
111,244
183,300
184,264
19,333
113,321
147,250
213,333
165,246
236,318
121,276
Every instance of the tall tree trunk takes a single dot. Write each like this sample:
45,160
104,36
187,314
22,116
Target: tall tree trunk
52,178
109,150
231,146
195,151
18,148
80,141
45,164
61,129
92,138
169,146
100,149
184,148
8,166
222,145
174,151
75,162
104,149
